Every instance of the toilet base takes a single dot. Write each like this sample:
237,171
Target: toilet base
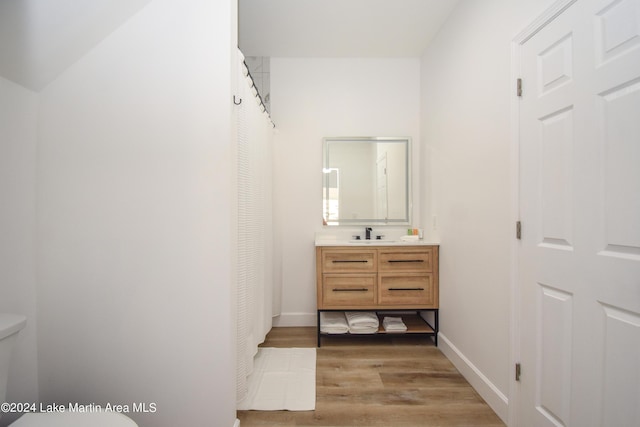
74,419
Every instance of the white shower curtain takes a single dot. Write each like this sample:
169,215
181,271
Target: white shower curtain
254,268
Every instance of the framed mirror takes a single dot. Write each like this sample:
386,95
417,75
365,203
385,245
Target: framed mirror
366,181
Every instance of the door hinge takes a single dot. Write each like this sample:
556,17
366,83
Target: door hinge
519,87
517,371
518,230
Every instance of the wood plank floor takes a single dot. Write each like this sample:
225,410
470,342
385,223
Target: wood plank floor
390,381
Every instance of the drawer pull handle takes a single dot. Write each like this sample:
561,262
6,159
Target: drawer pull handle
336,261
406,260
406,289
350,290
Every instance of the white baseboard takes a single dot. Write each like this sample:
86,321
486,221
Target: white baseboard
295,319
485,388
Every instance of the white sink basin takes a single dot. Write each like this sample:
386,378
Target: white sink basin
369,242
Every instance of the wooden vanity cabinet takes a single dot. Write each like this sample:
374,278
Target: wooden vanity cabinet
380,278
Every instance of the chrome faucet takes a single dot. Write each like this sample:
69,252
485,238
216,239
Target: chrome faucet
367,233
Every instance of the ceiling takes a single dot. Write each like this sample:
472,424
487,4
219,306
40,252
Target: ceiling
339,28
39,39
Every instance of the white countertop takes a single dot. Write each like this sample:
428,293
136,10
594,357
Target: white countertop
335,242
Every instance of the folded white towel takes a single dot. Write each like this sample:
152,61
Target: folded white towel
362,322
362,318
333,322
412,238
393,324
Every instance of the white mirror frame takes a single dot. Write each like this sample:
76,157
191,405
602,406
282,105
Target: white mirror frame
398,208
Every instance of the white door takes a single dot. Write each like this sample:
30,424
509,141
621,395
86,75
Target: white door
382,194
579,197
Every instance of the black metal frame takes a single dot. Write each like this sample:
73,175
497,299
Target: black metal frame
434,334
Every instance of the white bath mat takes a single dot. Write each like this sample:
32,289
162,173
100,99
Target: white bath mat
282,379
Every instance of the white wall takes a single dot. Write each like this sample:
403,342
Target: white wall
466,95
134,217
18,118
312,98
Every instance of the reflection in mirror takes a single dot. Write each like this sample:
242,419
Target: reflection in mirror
366,181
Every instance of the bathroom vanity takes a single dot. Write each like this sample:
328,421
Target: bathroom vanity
387,278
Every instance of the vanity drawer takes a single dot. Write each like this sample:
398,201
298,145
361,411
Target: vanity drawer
406,260
352,290
349,261
407,289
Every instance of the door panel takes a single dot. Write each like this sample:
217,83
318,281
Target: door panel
555,315
556,179
621,371
621,163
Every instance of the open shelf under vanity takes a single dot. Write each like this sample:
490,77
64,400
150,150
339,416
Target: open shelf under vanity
415,323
